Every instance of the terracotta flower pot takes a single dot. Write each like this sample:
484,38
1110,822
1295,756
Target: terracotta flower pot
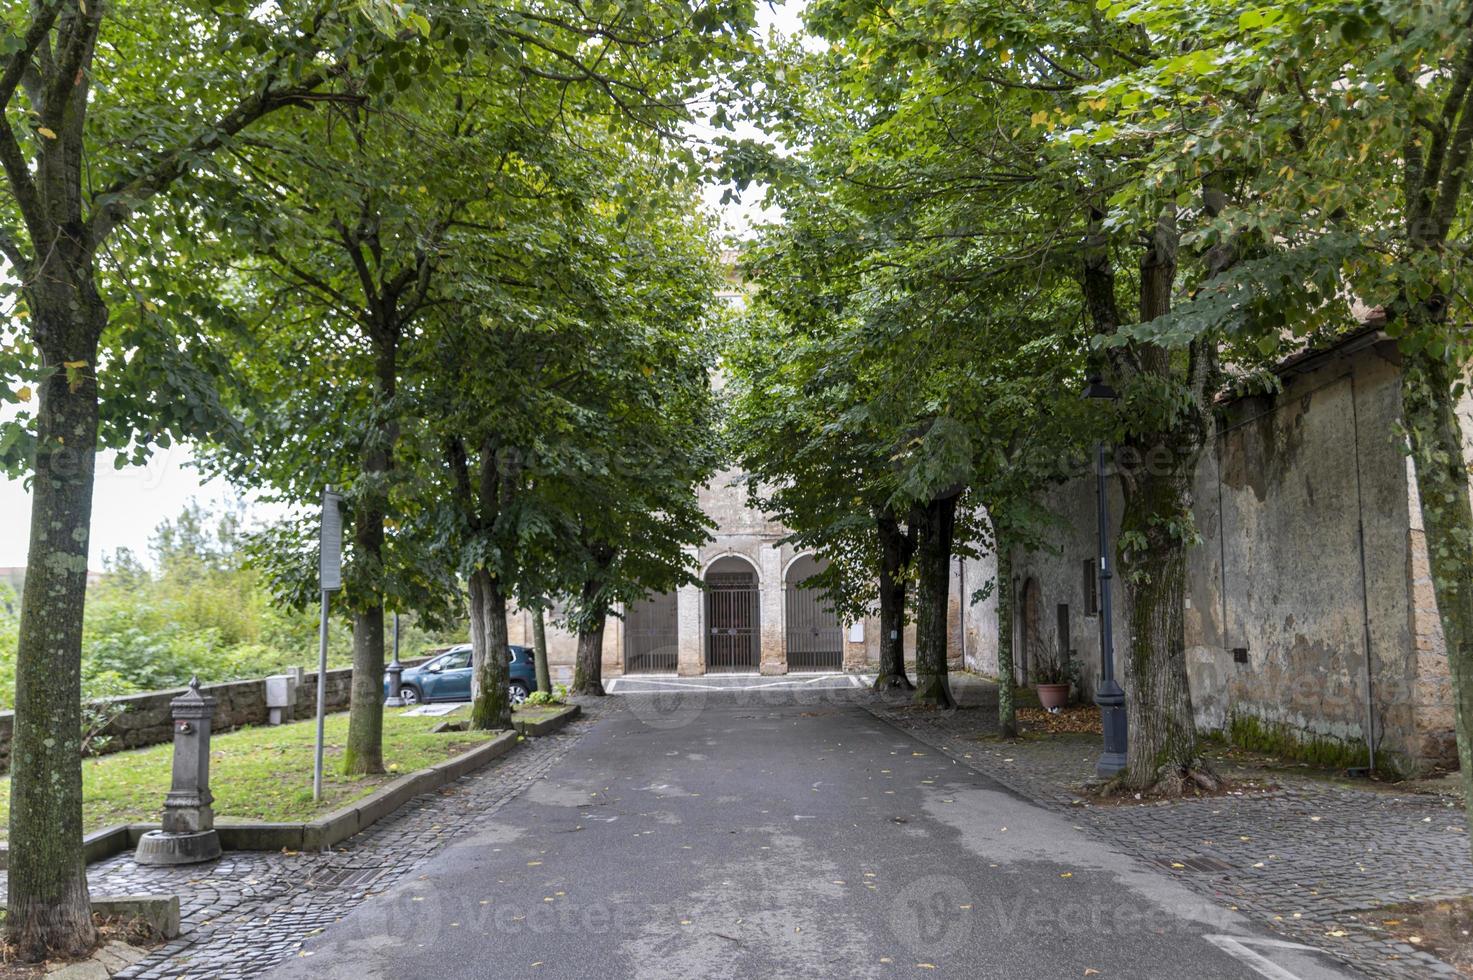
1052,695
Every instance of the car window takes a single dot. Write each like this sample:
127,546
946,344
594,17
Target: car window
511,655
456,659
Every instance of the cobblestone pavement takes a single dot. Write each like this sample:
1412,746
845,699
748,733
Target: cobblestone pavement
247,911
1298,858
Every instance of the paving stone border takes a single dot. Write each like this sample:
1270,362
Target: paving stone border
1298,860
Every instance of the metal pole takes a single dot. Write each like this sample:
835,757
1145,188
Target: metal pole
395,671
1110,697
321,698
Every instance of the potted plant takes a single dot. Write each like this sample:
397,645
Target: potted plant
1053,676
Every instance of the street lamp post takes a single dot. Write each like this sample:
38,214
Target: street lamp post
1109,696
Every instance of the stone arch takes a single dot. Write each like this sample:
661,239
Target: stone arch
728,560
733,620
813,636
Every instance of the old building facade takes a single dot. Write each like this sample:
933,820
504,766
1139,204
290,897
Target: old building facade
750,613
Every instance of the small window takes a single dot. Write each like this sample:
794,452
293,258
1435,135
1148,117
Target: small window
456,660
1091,587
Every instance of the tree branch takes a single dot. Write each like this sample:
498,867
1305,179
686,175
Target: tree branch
117,201
19,61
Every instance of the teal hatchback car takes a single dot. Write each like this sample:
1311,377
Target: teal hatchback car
448,677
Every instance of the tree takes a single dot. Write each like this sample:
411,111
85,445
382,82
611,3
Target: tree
368,218
136,95
1333,145
987,133
353,225
945,349
797,424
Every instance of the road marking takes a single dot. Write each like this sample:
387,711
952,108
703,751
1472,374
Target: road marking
1237,947
652,685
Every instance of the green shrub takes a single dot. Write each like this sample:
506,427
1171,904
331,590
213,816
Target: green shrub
558,695
201,612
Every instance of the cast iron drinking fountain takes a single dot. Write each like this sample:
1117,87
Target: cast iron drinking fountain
188,833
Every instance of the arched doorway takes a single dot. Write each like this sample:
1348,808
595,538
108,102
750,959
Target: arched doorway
733,616
652,635
815,641
1032,644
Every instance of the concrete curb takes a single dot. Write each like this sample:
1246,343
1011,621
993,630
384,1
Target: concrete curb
159,912
548,725
328,830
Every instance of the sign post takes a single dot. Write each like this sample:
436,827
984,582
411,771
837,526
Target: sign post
330,580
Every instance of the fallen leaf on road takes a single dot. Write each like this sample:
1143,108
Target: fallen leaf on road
1067,874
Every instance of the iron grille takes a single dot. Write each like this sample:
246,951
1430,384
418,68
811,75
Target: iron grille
815,639
733,621
652,636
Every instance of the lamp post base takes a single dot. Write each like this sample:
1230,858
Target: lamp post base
159,848
395,670
1111,700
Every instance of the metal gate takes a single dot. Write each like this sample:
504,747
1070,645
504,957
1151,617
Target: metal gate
733,619
651,635
815,639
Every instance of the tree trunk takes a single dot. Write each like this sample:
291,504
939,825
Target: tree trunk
490,680
49,911
1161,751
933,582
1007,712
589,669
893,561
539,652
1442,486
364,752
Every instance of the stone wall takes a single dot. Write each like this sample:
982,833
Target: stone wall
146,720
1290,636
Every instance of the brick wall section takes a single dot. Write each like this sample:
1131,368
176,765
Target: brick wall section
146,719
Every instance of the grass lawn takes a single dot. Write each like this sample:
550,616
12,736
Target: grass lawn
262,773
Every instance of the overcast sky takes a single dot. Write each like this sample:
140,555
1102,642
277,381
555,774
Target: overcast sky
129,503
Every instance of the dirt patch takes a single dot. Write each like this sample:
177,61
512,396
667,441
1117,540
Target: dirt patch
1074,719
131,932
1442,927
1106,794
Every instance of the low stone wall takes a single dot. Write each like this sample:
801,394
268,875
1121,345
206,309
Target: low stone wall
146,720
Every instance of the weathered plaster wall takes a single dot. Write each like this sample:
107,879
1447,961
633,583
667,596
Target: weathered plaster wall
1431,695
1056,572
1278,572
1303,476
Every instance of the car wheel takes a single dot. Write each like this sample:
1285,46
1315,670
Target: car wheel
409,694
519,692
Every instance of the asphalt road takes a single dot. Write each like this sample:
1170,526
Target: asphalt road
782,833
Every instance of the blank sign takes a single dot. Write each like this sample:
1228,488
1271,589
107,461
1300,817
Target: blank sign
330,550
